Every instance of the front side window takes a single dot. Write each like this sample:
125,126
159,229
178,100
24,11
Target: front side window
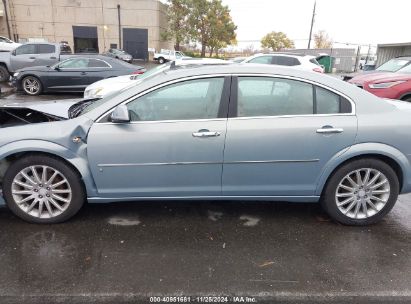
266,96
77,63
261,60
46,49
26,49
193,99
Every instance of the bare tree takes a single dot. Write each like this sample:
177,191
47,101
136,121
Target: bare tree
322,40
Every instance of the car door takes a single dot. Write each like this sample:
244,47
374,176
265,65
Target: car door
23,56
46,55
68,75
283,133
173,146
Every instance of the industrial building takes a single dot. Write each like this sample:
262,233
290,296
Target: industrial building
386,52
87,25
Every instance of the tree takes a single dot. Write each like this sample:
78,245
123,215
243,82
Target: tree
322,40
211,25
177,17
276,41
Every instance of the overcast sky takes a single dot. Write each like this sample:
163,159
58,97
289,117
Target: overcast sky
352,21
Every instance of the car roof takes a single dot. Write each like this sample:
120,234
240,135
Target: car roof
282,54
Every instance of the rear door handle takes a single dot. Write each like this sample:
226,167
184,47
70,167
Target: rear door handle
206,133
329,130
32,57
53,57
83,73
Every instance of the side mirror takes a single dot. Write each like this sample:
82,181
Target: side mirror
120,114
13,53
57,68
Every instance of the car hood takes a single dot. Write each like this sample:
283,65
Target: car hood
380,77
54,108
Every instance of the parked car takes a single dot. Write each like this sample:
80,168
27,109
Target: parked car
29,55
391,66
167,55
119,54
165,138
299,61
108,86
387,85
71,75
7,45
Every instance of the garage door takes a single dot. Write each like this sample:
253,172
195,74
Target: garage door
135,42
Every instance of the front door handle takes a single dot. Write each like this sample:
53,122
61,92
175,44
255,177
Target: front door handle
83,73
329,130
32,57
206,133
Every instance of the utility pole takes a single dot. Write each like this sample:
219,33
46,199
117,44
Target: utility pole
312,25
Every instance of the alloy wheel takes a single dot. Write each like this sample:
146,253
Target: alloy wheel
31,85
41,191
362,193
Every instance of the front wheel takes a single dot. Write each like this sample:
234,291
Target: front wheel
32,85
161,60
43,189
361,192
4,74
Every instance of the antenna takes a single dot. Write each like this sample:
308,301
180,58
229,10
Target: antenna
312,25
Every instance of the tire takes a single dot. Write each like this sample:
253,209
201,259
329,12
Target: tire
32,85
350,196
68,191
161,60
407,98
4,74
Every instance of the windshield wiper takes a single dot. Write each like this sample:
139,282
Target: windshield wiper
76,109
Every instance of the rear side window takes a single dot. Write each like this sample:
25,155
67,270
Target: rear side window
328,102
94,63
262,60
269,96
285,60
313,60
46,49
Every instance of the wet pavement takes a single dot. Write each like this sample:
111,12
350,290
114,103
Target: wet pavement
275,252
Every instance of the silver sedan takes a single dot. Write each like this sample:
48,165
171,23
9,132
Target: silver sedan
234,132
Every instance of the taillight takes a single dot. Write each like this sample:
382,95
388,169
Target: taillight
138,72
318,70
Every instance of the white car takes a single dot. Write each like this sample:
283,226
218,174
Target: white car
107,86
167,55
7,45
299,61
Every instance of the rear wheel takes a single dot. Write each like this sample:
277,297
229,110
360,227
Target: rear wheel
161,60
43,189
32,85
361,192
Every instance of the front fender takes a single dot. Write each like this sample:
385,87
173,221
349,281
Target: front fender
367,149
78,160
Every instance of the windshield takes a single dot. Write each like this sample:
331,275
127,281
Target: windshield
140,78
393,65
406,69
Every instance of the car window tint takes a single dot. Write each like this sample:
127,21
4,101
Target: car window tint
26,49
94,63
76,63
46,49
265,96
194,99
261,59
327,102
287,61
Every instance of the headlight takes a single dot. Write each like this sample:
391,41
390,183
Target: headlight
16,74
384,85
93,93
